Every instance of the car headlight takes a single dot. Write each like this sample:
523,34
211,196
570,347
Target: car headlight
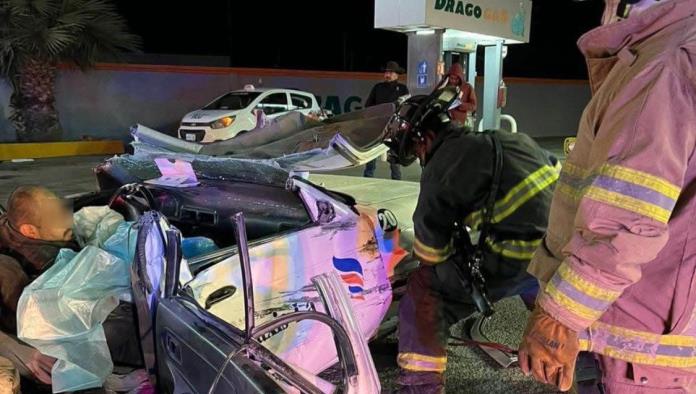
222,122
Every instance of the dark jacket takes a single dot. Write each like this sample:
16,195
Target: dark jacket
455,184
35,256
21,260
386,92
13,279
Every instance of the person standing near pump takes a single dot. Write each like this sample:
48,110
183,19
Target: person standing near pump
385,92
467,96
618,260
496,182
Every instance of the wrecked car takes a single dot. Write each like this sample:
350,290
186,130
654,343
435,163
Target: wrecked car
297,231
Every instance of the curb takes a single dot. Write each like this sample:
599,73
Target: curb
42,150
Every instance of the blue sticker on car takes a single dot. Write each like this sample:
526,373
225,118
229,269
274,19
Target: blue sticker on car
351,273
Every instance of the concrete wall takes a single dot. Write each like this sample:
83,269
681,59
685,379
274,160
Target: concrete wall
105,102
545,108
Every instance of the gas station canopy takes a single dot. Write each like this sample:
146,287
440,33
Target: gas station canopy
485,22
438,28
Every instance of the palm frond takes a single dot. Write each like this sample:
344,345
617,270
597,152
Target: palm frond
7,60
44,8
75,19
62,30
36,8
56,40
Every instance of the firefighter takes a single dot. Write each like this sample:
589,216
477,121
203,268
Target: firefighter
618,261
459,168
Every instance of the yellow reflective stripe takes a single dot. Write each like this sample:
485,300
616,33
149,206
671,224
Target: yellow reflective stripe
430,254
432,250
421,362
538,181
571,305
575,171
615,197
567,143
629,203
646,359
568,275
423,357
677,340
515,249
584,345
644,179
630,342
569,191
473,220
558,167
517,196
650,337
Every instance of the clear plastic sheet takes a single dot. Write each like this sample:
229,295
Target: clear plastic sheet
62,311
94,225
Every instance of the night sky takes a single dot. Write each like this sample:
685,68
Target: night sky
344,41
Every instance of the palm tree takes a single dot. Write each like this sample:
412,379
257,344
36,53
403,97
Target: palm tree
37,35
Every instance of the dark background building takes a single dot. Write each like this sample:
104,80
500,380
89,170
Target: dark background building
312,35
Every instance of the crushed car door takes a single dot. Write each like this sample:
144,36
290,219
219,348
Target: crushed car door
184,349
197,352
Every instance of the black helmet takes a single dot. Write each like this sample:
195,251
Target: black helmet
414,117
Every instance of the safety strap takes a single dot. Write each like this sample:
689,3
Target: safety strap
473,260
495,186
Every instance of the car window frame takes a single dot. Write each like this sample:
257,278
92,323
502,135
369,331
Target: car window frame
203,108
224,253
306,96
267,95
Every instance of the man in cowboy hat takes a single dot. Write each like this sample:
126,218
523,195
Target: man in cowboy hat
388,91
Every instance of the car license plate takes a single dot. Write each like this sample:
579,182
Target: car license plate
191,137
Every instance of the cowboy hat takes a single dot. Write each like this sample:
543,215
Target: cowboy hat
394,66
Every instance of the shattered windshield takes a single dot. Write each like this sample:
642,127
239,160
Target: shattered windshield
233,101
141,166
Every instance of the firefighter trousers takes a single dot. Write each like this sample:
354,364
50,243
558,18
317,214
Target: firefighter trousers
436,298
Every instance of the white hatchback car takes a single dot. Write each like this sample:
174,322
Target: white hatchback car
239,111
